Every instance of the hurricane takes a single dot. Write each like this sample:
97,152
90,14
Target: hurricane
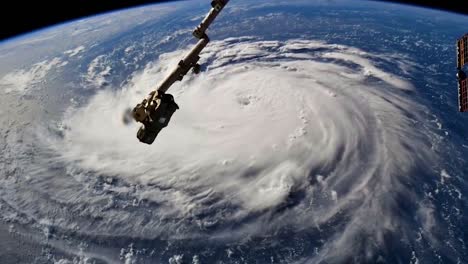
304,141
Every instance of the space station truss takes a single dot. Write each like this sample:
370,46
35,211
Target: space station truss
462,59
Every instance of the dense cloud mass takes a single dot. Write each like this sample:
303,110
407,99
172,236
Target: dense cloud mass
294,136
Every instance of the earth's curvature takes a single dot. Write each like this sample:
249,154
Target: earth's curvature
322,132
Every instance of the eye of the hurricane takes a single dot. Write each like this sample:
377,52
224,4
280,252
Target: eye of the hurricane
304,131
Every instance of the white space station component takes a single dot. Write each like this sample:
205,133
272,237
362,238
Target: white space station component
155,111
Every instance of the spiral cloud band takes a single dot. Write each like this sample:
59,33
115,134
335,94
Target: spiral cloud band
295,135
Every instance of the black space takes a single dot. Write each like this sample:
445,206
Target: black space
456,6
19,16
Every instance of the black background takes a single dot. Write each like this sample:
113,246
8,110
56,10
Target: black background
16,20
19,16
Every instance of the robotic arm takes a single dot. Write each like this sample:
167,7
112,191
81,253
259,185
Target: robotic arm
155,111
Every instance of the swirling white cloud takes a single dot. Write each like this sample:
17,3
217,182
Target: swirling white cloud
271,134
